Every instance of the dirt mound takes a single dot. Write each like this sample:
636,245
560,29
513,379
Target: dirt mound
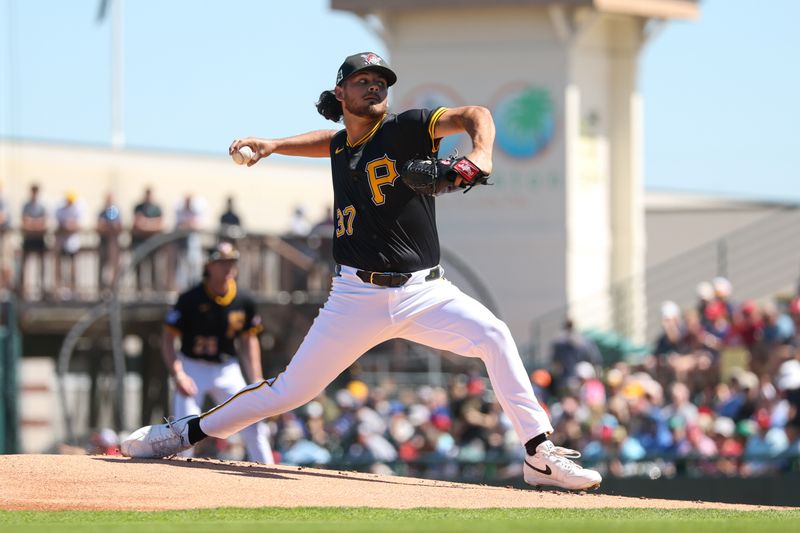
49,482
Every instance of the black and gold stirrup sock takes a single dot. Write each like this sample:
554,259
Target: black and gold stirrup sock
195,433
531,445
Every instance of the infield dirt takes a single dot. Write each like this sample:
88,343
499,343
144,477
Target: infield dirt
53,482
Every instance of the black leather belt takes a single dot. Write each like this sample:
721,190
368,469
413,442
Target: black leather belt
392,279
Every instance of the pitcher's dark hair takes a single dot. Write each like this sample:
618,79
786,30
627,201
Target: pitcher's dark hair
329,107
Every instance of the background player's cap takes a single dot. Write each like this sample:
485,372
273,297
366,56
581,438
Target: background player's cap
365,60
224,251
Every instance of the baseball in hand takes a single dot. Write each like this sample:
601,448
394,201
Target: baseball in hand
242,155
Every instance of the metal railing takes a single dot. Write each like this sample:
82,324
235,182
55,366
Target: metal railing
270,264
762,260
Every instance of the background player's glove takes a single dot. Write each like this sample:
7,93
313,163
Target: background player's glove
433,176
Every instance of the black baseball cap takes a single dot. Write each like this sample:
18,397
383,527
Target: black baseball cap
363,61
224,251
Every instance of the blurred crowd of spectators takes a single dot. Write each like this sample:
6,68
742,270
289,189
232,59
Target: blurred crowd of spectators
719,395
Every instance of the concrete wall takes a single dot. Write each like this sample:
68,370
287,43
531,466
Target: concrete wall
564,219
677,223
265,194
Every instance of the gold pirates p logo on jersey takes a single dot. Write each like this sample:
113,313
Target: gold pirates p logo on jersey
381,171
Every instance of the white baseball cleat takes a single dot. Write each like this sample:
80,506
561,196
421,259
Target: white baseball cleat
552,465
160,440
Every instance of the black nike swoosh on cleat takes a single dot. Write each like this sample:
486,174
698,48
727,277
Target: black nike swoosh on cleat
546,470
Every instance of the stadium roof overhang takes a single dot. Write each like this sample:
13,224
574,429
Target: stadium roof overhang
661,9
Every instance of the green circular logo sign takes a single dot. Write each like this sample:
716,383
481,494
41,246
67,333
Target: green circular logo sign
525,122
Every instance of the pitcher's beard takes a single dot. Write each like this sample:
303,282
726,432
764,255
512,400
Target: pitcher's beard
367,110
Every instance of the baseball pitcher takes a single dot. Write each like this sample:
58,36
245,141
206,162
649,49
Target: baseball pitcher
388,284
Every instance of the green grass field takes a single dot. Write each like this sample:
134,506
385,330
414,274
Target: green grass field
316,520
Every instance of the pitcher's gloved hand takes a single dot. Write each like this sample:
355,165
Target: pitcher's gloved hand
433,176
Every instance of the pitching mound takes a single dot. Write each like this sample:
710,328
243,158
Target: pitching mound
50,482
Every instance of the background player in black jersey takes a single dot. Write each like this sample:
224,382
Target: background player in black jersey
209,319
389,283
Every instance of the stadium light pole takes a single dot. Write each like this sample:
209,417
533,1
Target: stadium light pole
117,57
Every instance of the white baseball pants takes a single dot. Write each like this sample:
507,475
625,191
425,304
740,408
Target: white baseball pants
220,381
358,316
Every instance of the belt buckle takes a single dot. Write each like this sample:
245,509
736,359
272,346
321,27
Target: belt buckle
371,276
434,273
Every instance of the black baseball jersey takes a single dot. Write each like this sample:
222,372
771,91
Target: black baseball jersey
381,224
208,324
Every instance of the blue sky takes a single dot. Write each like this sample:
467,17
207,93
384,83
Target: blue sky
722,95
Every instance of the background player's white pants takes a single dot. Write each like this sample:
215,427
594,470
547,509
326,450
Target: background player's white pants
220,381
358,316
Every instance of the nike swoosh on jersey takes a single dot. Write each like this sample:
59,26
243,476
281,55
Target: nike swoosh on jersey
338,150
546,470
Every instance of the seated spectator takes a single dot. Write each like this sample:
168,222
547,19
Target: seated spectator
670,341
728,447
717,321
778,327
567,350
681,447
680,404
787,382
591,391
296,449
723,291
475,420
700,444
773,345
371,447
569,419
746,325
766,444
651,433
693,359
740,402
794,314
791,455
705,295
672,330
